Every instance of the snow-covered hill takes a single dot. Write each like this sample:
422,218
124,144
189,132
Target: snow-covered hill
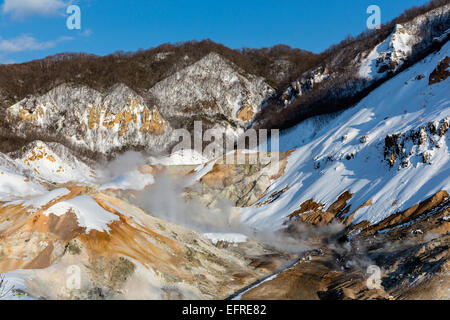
53,163
353,69
407,39
390,152
211,88
25,173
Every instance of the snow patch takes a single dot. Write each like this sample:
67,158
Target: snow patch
180,157
133,180
39,202
226,237
89,213
14,186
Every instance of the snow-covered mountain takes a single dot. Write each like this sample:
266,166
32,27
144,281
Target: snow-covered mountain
368,185
92,120
353,68
389,152
212,90
406,39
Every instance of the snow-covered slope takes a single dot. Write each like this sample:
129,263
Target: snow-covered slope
24,173
304,84
405,40
53,163
390,152
14,186
388,55
406,43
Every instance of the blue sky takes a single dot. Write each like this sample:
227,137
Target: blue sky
32,29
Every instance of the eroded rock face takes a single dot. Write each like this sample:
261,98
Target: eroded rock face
415,144
406,40
304,84
441,72
395,50
92,120
315,213
243,184
212,89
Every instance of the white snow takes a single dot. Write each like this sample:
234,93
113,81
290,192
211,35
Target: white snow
398,45
133,180
399,105
14,281
226,237
89,213
14,186
47,165
39,202
180,157
211,79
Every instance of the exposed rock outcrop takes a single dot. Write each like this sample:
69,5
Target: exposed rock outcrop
416,144
89,119
212,89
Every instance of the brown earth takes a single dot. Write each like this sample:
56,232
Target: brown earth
411,249
441,72
31,240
